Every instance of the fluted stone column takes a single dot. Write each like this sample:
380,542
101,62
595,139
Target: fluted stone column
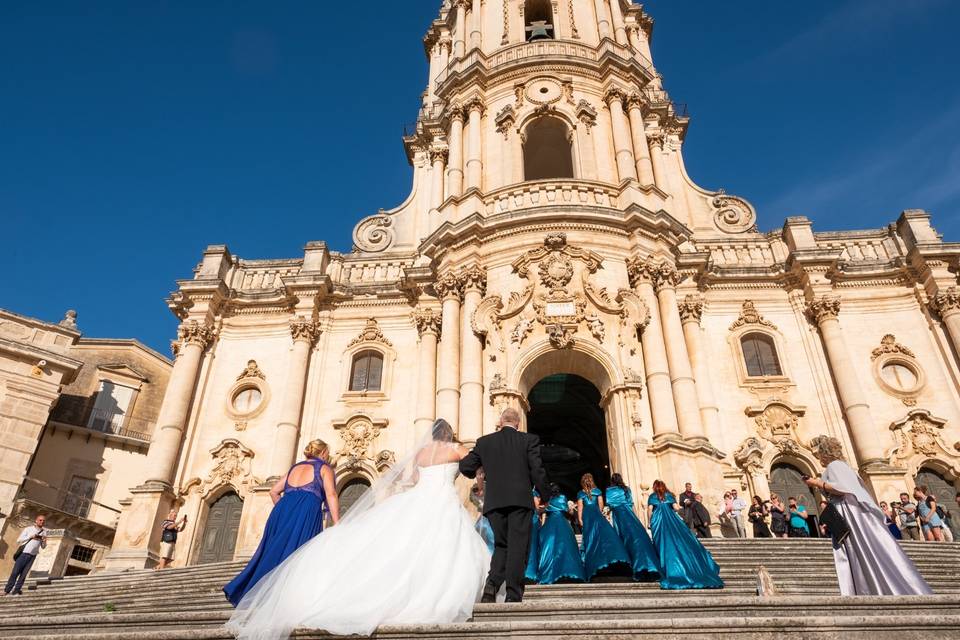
619,25
304,333
455,144
448,363
603,18
428,326
666,279
439,159
691,310
460,29
869,447
168,435
476,35
474,282
474,147
663,411
947,304
641,148
660,176
626,168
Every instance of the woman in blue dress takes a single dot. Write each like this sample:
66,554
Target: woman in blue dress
559,555
684,563
602,548
643,555
301,499
533,552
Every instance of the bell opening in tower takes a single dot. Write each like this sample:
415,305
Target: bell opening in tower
547,150
538,15
565,413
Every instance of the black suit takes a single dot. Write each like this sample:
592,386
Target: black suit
512,465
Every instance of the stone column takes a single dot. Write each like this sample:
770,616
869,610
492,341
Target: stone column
516,156
474,147
663,412
448,364
947,304
428,326
866,441
641,149
474,281
660,176
445,45
304,333
685,397
455,144
168,435
619,26
603,18
626,168
476,35
691,310
439,159
460,29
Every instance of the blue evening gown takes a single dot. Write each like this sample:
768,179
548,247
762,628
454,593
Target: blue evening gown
296,518
684,563
559,554
533,551
602,547
643,555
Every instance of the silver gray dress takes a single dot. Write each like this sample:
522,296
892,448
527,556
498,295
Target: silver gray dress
869,562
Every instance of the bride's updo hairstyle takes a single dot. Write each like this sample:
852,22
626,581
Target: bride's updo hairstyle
442,431
316,450
827,449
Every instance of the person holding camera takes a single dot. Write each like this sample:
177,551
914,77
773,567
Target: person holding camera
907,512
169,529
29,543
798,519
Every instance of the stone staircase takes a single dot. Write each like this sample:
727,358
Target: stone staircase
187,603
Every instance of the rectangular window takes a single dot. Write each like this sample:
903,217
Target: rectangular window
111,407
79,496
82,554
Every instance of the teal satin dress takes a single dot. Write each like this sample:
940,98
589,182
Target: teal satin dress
602,548
531,574
559,554
684,563
643,555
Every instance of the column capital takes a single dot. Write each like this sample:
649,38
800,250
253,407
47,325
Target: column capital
615,94
474,278
305,330
455,112
474,104
441,154
641,270
193,332
691,308
636,100
824,308
666,277
946,301
449,287
657,139
427,321
460,4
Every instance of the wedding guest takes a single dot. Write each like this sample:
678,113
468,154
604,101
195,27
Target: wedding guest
909,527
643,556
533,551
602,549
700,518
560,559
29,543
687,499
736,513
482,525
726,520
758,518
947,526
798,519
927,514
169,530
778,517
889,519
868,561
573,517
684,562
301,498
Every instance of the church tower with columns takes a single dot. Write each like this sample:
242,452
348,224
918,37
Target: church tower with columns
554,256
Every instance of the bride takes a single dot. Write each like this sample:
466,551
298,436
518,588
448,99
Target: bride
405,553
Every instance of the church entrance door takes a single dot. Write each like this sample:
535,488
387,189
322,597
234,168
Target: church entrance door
786,481
220,532
945,493
565,413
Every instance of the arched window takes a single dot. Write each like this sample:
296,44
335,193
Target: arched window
366,373
760,355
538,15
547,151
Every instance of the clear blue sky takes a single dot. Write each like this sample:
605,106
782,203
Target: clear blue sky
135,133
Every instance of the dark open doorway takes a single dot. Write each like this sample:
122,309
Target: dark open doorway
565,413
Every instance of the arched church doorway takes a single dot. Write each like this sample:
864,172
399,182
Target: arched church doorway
786,481
351,492
221,529
565,413
945,493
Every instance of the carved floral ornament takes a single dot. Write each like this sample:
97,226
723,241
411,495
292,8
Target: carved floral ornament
691,308
371,333
777,420
427,321
357,435
946,301
657,272
824,308
750,316
230,465
919,437
252,370
888,346
304,329
192,332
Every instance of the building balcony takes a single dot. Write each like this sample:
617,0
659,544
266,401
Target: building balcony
120,429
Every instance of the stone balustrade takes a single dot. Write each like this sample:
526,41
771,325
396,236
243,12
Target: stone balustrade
549,192
256,277
361,272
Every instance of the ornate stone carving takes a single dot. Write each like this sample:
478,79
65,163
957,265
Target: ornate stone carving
946,301
556,272
439,153
522,329
384,460
824,308
777,420
497,383
303,329
641,269
666,275
889,345
561,337
595,324
69,320
749,456
448,286
192,332
374,234
474,278
586,114
615,94
919,437
505,120
691,308
749,315
252,370
358,434
427,321
371,333
231,463
733,214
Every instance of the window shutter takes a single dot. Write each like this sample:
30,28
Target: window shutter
375,371
768,357
358,379
751,356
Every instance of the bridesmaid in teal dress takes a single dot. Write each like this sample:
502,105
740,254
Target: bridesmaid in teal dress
602,549
533,552
643,555
559,555
684,563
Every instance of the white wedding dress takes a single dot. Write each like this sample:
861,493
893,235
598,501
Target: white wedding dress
414,558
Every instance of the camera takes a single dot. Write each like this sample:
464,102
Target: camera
804,477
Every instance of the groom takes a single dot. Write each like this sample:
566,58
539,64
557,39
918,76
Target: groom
512,465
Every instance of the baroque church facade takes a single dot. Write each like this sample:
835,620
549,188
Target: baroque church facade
554,256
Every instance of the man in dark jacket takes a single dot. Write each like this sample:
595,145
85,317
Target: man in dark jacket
700,518
512,468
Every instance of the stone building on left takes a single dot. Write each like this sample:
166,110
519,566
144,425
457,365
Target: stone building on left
76,418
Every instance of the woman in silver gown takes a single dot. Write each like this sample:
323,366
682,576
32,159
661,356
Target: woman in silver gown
869,561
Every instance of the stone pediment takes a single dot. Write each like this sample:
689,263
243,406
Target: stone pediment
122,371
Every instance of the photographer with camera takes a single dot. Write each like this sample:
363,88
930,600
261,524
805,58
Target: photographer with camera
169,529
29,543
798,519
